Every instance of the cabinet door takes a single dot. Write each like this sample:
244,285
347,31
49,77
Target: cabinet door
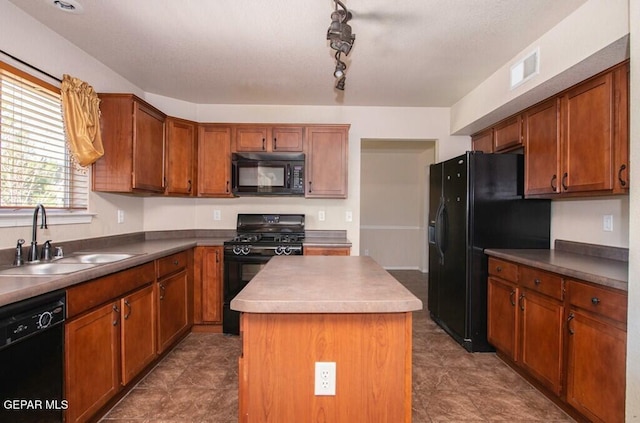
588,136
251,138
214,161
138,332
326,162
181,144
621,129
92,365
212,268
541,328
286,138
502,323
148,149
542,149
483,141
173,319
596,367
508,134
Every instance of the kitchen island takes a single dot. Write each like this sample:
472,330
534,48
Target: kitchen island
345,310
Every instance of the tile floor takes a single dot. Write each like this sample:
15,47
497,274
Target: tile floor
197,381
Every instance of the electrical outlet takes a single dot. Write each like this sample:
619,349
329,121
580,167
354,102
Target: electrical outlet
120,216
321,216
607,223
325,383
349,216
217,215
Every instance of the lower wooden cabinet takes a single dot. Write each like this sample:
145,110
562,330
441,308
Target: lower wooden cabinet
567,336
92,361
208,276
117,326
172,300
541,329
327,251
138,316
596,350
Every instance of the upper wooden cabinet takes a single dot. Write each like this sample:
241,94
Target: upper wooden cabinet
133,135
214,160
507,134
483,141
326,149
578,143
267,138
180,158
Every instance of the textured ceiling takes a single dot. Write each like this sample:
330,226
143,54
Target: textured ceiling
407,52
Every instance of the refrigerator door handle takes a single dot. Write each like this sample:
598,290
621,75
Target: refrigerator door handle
440,223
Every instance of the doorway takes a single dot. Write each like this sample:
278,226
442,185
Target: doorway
394,176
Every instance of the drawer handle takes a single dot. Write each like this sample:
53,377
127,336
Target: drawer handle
622,181
117,311
595,301
498,269
536,281
128,304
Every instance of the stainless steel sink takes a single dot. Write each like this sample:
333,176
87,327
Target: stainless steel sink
94,258
45,269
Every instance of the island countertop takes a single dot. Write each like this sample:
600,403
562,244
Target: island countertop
324,284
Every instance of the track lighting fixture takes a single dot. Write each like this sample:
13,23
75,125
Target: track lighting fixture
340,39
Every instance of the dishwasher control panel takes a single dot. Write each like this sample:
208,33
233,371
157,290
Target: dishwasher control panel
20,320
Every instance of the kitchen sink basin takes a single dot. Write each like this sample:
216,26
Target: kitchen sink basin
94,258
45,269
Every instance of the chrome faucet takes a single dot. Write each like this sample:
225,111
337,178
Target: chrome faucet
33,250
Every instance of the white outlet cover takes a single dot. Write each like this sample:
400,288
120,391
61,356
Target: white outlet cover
325,378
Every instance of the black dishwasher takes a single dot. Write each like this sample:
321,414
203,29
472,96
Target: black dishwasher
31,359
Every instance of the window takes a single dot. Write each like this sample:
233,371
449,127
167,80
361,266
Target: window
35,163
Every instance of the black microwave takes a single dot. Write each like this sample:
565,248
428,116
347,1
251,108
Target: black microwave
267,173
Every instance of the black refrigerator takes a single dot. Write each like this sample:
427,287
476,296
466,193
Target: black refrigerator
476,201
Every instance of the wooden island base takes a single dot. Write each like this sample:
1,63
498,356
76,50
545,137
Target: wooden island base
372,352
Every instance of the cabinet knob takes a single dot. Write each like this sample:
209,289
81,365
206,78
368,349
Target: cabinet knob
176,262
498,269
536,281
595,301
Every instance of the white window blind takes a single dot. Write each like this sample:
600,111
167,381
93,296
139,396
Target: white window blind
35,162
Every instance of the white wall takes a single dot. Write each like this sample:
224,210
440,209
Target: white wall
25,38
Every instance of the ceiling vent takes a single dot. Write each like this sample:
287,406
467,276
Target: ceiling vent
525,68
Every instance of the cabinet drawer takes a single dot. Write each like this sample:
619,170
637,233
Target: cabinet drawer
90,294
537,280
598,300
172,264
503,269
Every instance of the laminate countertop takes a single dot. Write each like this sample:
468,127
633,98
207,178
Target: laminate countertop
143,247
598,270
324,284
